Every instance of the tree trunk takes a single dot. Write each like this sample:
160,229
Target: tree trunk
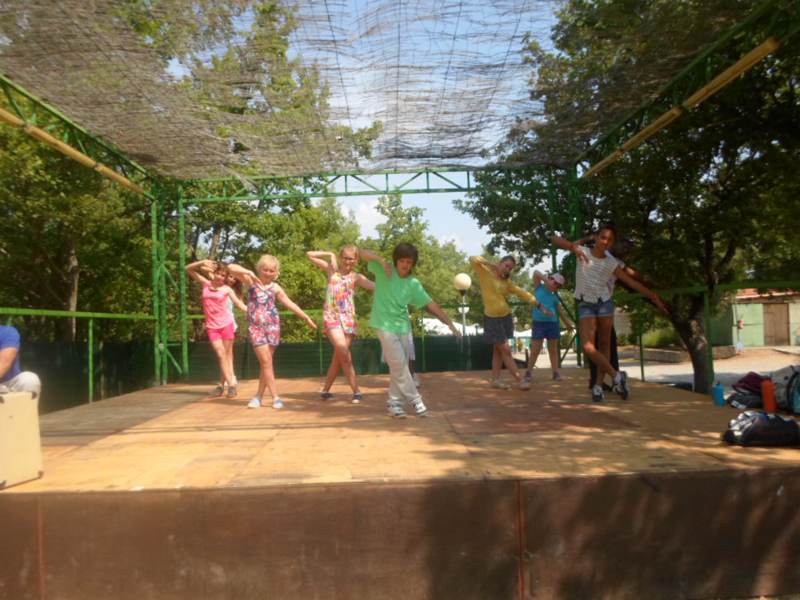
73,276
693,335
214,247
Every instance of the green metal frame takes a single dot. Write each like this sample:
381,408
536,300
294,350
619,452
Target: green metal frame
779,18
774,17
249,189
35,111
91,316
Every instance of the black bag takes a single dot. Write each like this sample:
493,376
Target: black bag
757,428
745,400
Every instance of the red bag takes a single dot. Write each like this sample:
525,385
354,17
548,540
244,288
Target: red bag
749,384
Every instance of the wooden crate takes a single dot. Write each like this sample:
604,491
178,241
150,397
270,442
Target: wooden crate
20,444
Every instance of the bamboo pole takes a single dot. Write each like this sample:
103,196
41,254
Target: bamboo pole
744,64
69,151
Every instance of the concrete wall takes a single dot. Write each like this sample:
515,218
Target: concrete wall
794,324
662,535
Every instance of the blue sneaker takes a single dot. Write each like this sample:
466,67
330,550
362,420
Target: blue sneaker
254,403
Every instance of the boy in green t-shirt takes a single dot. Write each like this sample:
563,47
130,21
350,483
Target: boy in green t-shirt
395,290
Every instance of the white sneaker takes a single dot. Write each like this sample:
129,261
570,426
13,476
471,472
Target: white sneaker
395,409
499,385
524,385
277,404
597,393
621,385
420,408
254,403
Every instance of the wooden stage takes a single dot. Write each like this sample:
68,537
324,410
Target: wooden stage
167,493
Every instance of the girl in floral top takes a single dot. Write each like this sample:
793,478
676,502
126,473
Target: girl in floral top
264,324
339,313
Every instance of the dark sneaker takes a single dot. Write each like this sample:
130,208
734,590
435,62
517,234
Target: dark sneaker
556,376
325,395
597,394
358,397
231,391
621,385
218,391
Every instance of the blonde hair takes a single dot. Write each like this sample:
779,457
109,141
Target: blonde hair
268,259
352,247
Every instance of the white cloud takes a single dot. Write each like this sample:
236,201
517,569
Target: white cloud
367,217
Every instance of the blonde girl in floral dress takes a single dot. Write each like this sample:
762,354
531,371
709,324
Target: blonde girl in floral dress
264,324
339,313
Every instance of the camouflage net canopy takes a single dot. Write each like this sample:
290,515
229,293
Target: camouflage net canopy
208,88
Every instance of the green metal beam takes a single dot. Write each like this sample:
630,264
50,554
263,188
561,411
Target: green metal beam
35,111
322,186
773,18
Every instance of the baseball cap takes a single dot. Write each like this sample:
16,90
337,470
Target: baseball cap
558,278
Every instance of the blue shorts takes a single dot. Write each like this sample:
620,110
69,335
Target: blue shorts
546,330
592,310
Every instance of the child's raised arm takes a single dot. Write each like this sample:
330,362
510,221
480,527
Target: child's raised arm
318,258
246,276
193,270
369,255
565,244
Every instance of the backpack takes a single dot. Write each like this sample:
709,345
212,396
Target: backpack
745,401
750,383
786,382
757,428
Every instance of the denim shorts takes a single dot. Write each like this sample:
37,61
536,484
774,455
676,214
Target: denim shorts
546,330
592,310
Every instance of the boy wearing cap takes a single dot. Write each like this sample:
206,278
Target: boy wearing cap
546,326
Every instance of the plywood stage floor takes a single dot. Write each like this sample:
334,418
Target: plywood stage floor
177,437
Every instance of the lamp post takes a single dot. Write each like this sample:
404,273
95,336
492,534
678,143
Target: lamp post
462,283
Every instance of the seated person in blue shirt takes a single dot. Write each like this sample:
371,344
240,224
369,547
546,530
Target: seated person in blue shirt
12,378
546,327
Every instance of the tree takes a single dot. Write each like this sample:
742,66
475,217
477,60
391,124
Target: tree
705,202
69,239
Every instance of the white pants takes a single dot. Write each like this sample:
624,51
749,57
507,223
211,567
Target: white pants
24,382
395,348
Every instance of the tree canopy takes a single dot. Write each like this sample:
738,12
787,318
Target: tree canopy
709,200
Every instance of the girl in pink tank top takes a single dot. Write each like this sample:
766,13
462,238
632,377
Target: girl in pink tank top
220,322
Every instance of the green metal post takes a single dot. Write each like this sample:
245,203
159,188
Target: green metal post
551,221
163,290
155,290
184,324
574,233
709,348
91,360
424,350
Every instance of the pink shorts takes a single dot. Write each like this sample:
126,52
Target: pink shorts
225,333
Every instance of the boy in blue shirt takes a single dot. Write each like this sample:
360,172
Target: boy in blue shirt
12,378
546,327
